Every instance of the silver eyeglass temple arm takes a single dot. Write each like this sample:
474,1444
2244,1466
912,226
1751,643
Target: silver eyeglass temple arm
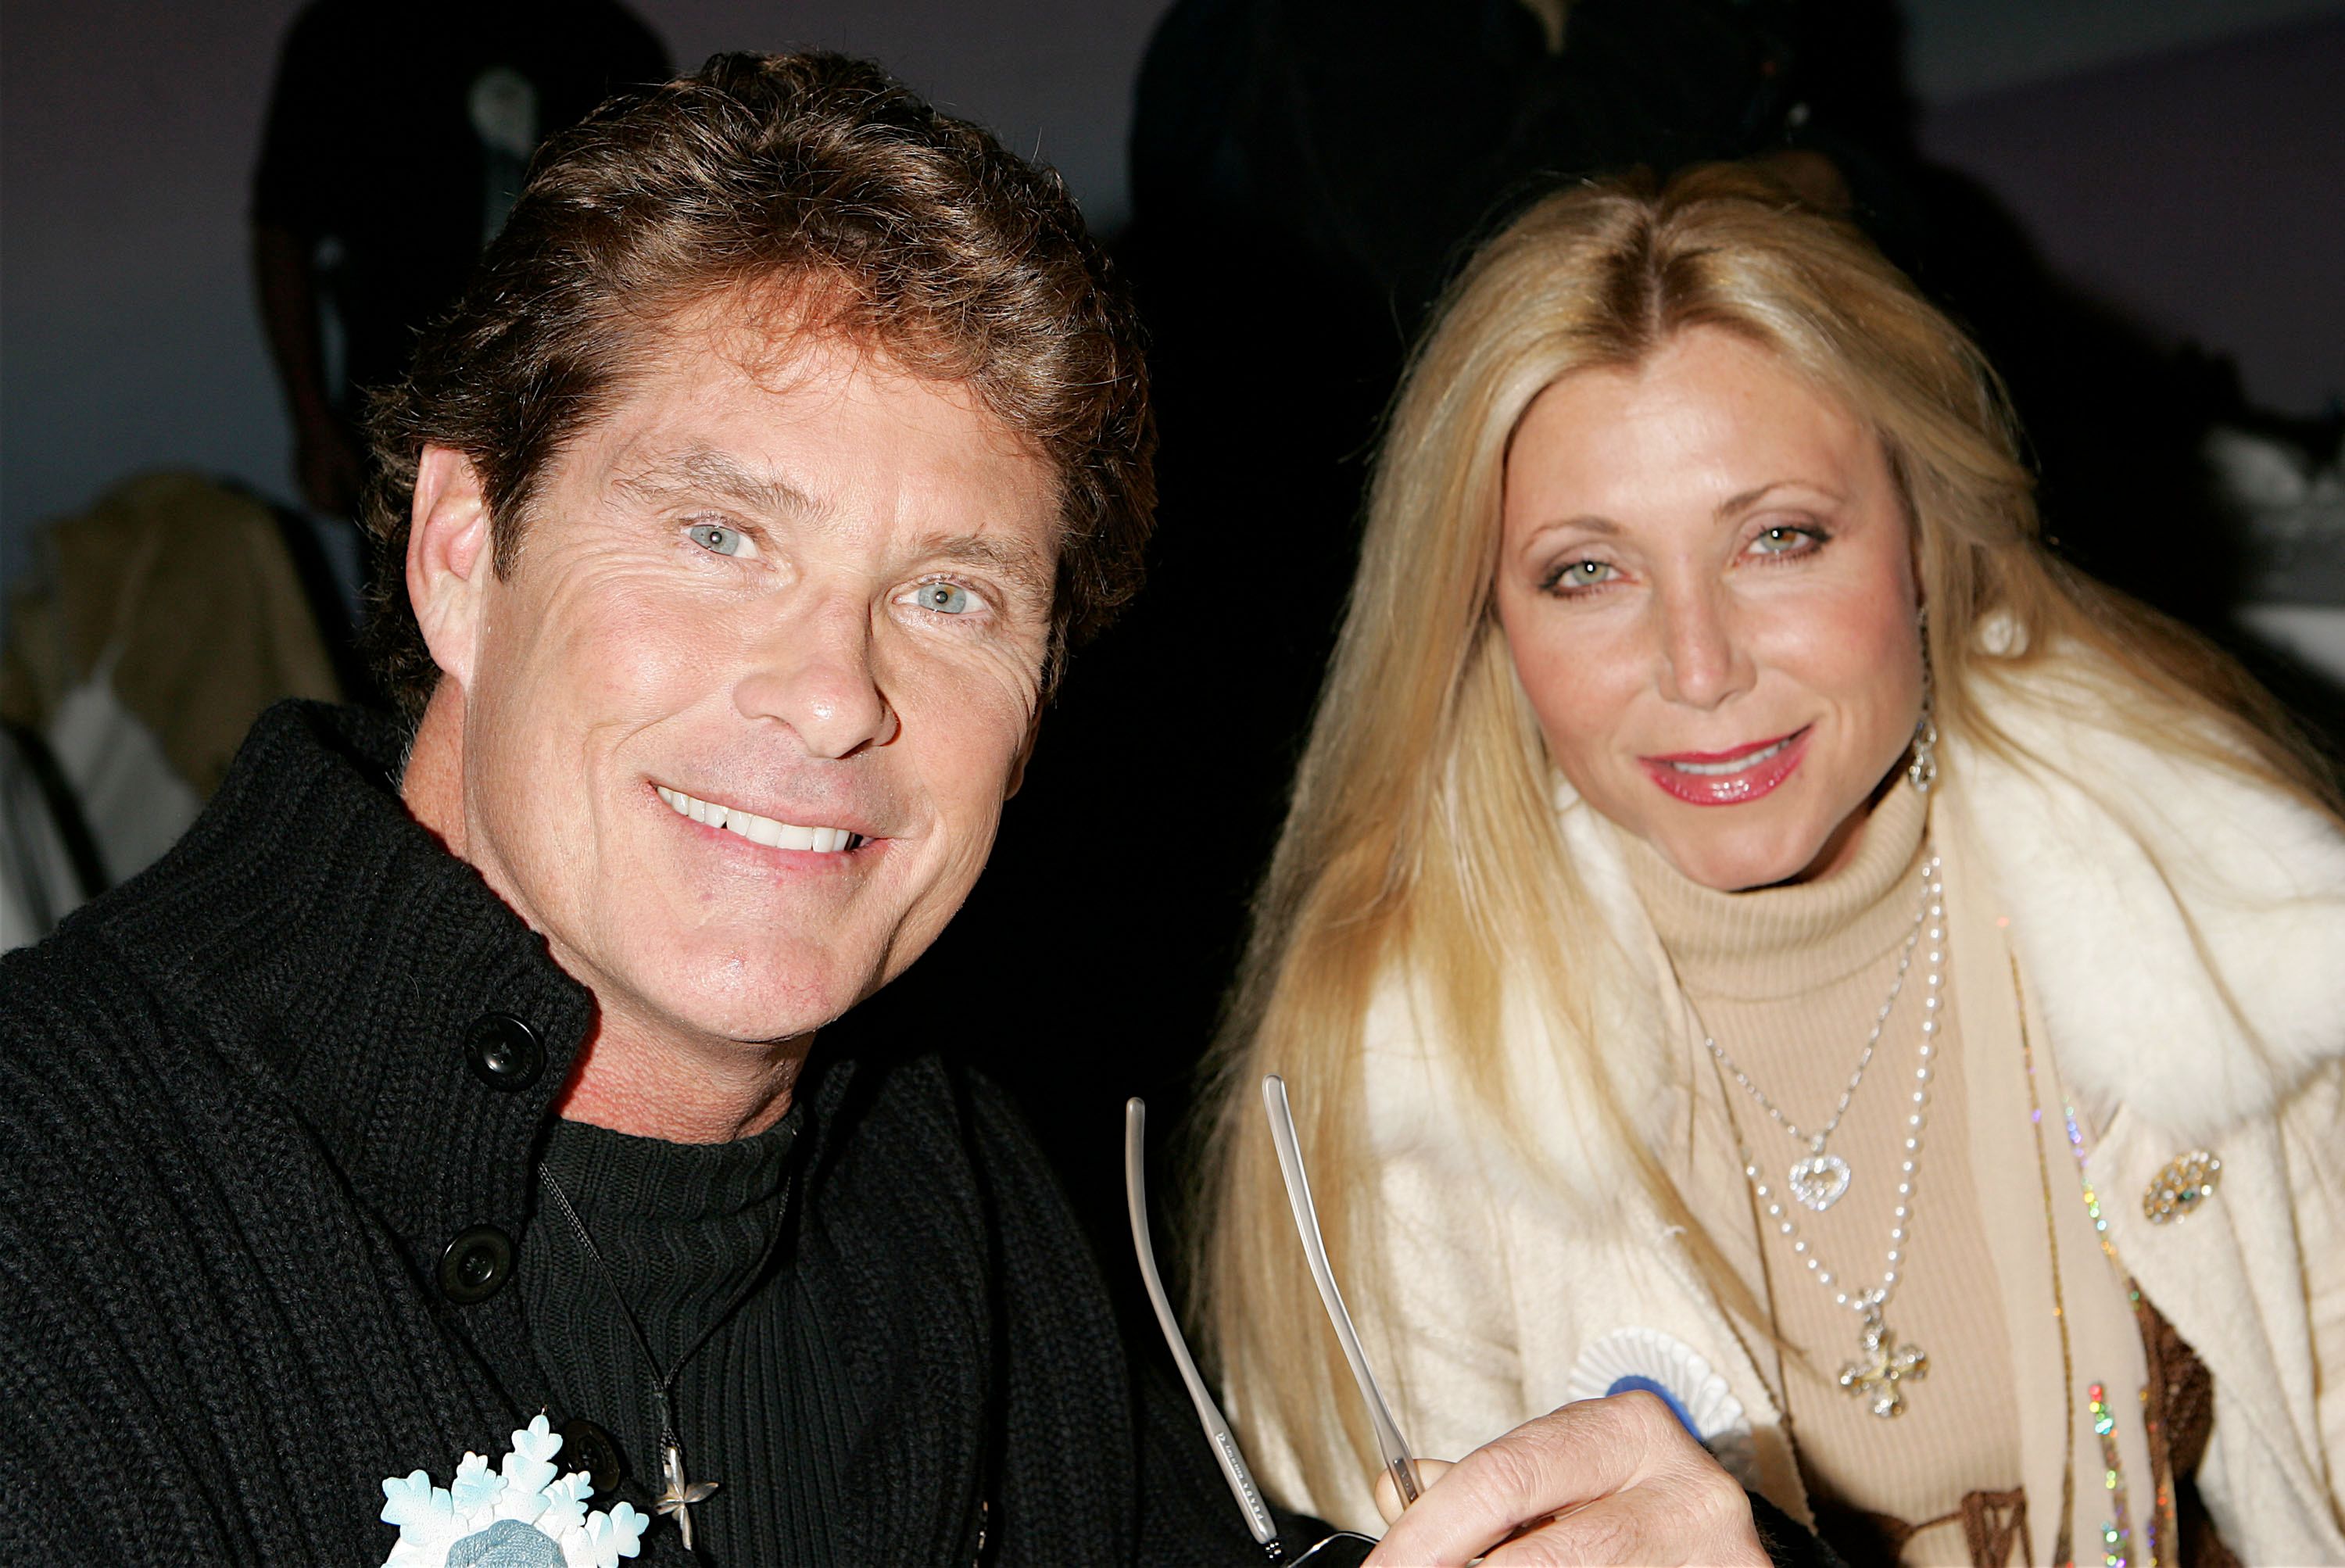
1398,1461
1209,1414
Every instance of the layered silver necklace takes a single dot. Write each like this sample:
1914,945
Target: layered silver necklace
1818,1178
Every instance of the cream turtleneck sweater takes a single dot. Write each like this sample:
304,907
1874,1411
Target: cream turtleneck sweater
1788,981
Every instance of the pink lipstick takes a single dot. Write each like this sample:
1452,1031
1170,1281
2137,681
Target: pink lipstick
1728,778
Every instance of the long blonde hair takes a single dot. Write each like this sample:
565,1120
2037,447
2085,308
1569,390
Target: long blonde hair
1422,837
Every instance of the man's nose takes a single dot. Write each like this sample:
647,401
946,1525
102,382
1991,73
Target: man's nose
814,672
1702,656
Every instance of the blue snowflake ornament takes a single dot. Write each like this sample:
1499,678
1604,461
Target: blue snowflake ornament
523,1514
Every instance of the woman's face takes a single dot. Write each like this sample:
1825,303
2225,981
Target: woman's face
1708,590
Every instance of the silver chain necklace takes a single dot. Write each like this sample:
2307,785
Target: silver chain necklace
1818,1179
1882,1364
681,1495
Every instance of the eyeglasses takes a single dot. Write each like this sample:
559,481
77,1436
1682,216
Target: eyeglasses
1345,1548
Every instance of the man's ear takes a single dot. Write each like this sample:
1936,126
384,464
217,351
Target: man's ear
1025,755
448,559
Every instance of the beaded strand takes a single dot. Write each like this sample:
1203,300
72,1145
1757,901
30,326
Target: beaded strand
1909,1168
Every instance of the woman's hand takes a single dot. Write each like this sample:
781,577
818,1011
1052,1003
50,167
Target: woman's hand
1614,1480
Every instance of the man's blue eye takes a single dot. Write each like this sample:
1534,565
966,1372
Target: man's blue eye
717,538
945,598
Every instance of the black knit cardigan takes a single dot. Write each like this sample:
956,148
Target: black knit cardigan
243,1120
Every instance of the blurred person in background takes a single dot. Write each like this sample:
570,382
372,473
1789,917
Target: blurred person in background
1760,942
396,140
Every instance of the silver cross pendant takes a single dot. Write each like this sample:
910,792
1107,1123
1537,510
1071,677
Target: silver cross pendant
1875,1374
681,1496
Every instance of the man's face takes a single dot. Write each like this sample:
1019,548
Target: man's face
739,724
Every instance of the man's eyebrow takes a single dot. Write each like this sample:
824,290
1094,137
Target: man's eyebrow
704,470
1024,566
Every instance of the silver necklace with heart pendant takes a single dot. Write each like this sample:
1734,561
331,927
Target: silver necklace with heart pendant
1820,1178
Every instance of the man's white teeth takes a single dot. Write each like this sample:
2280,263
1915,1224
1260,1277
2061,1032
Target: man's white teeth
761,829
1714,770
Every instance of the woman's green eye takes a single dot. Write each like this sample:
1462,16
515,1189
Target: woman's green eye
717,539
1578,575
1780,540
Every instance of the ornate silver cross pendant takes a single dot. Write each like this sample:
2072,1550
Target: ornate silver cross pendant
681,1496
1875,1375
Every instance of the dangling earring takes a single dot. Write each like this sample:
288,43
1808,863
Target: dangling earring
1922,770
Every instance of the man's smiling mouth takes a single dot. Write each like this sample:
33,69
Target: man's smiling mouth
761,829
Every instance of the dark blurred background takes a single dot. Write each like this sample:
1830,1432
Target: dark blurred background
2182,160
2139,207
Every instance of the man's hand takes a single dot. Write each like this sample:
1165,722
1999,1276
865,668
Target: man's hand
1604,1480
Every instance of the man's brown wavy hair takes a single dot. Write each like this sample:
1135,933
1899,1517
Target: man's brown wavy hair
921,238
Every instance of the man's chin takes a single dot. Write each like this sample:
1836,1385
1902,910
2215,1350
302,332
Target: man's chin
698,1001
694,990
754,1022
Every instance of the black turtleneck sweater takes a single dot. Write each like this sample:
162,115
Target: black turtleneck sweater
271,1231
695,1241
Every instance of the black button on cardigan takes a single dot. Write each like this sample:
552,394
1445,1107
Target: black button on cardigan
478,1262
505,1052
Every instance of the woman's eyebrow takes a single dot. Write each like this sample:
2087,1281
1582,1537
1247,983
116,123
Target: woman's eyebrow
1743,501
1587,522
1602,526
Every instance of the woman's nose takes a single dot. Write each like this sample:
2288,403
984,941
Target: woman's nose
814,672
1702,661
